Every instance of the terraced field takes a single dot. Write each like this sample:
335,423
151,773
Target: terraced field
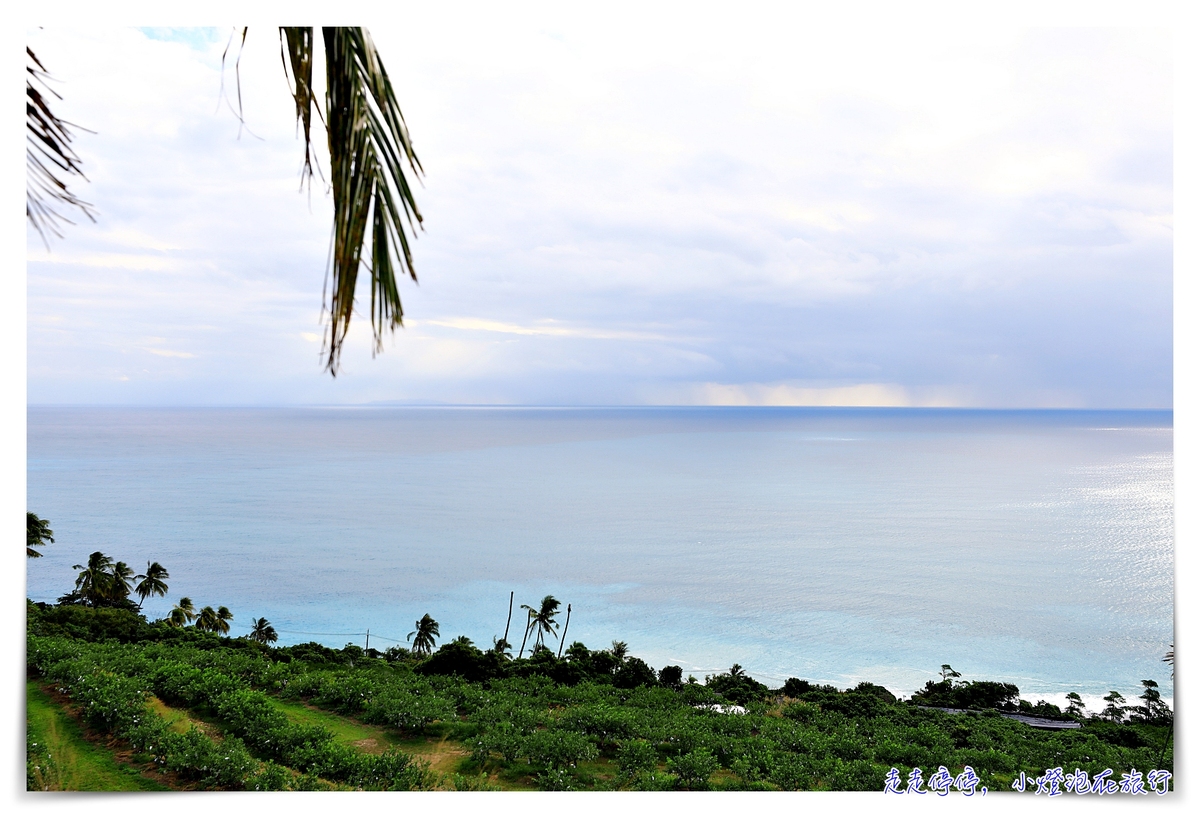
62,757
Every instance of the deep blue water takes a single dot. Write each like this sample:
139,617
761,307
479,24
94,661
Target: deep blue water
830,544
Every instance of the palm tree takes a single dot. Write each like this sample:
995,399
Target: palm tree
182,614
37,530
263,632
95,579
427,629
542,620
224,617
121,582
151,583
619,651
1169,657
206,620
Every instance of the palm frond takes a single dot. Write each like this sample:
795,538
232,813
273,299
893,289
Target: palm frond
369,146
48,156
37,532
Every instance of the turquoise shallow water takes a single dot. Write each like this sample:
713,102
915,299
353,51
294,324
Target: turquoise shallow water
830,544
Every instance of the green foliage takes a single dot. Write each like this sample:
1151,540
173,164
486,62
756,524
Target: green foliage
969,695
88,624
525,723
793,687
110,683
633,672
636,756
671,676
694,769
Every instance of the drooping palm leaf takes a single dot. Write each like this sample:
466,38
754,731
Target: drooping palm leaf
368,148
48,156
37,532
151,583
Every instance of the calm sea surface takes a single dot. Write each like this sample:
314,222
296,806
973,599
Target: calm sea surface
830,544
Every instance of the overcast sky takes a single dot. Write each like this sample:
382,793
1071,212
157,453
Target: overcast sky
653,211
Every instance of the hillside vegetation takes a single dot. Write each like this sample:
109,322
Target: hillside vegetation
196,710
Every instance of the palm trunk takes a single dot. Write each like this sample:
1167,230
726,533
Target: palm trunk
528,625
509,622
566,625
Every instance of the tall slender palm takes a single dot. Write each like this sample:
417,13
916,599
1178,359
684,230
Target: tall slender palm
426,630
151,583
37,532
541,620
528,628
619,651
261,631
182,614
94,580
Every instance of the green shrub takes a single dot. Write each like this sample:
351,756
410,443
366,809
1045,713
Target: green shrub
694,769
636,756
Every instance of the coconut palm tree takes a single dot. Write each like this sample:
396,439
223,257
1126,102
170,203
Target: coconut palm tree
541,620
224,617
207,620
619,651
427,629
182,614
121,583
263,632
37,530
95,579
151,583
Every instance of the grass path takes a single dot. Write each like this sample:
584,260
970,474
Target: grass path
443,754
62,758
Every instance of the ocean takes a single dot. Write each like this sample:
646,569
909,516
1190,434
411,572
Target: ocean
834,545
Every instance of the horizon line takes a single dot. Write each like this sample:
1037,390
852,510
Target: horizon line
400,404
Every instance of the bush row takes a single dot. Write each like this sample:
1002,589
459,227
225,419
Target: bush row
115,703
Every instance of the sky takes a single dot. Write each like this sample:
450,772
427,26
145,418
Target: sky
681,209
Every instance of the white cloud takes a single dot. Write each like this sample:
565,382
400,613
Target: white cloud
762,208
